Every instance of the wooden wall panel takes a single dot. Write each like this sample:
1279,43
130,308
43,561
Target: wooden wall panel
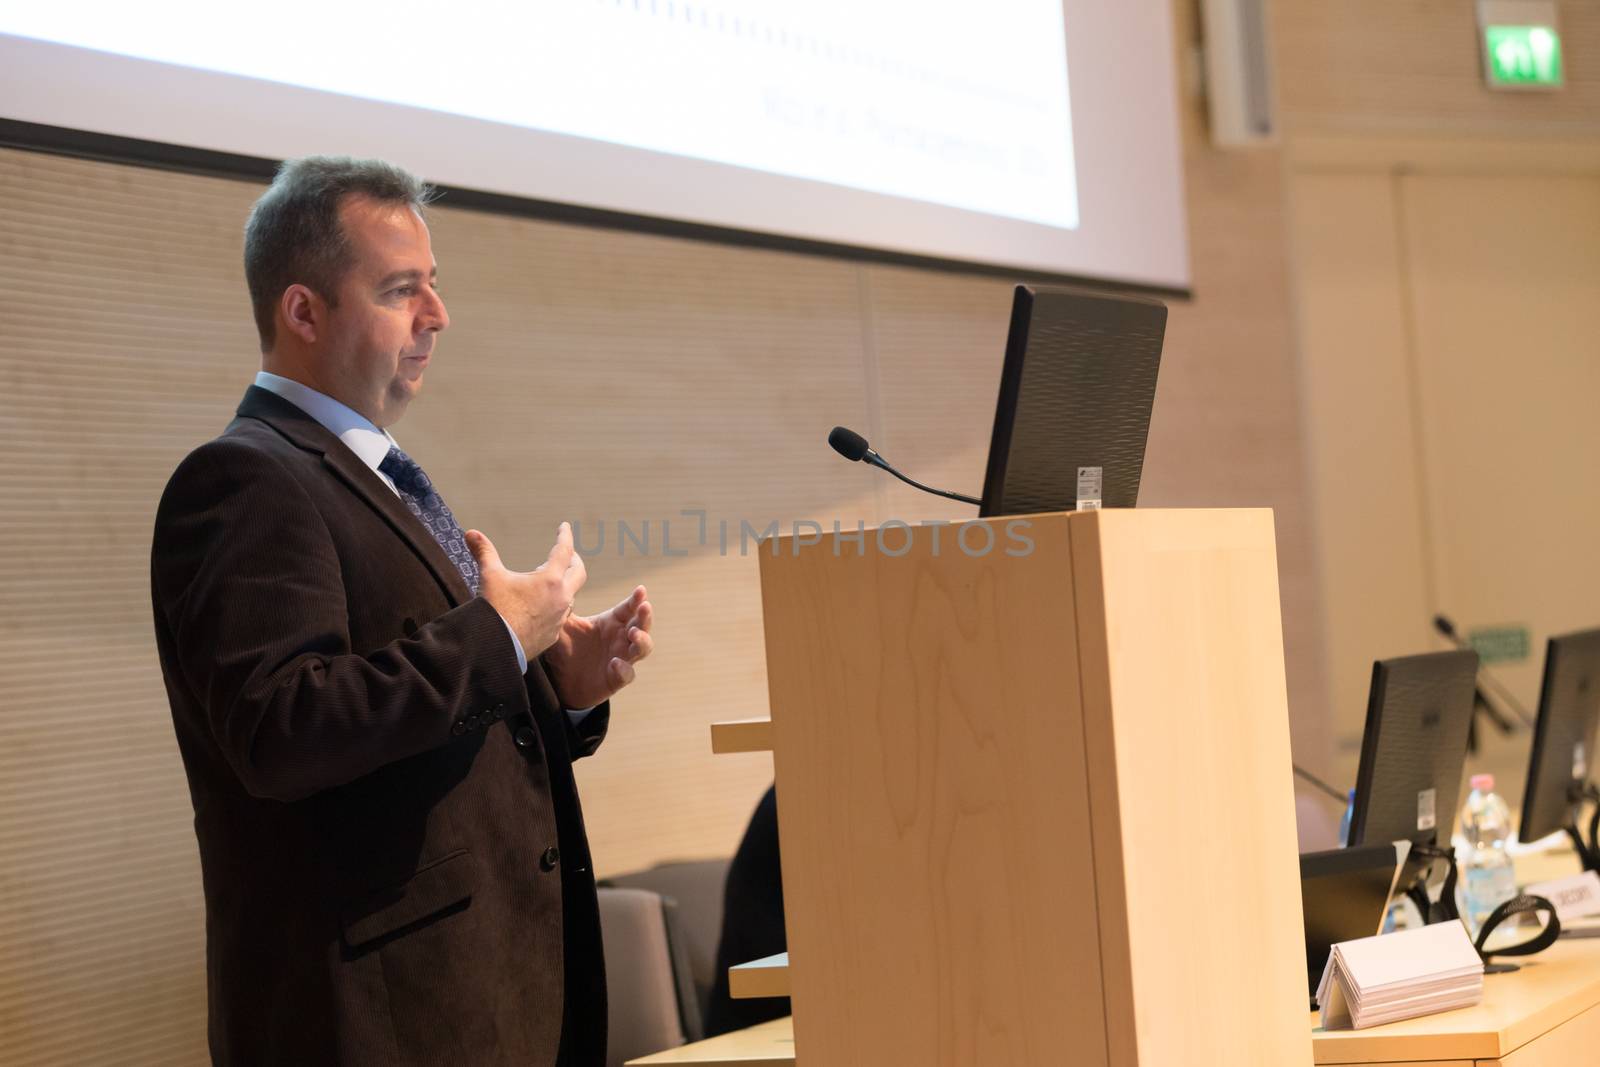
1505,357
1372,550
125,328
938,343
1226,429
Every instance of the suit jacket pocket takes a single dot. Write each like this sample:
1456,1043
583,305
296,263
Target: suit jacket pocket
443,886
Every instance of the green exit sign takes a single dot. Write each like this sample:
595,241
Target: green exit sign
1500,644
1522,57
1521,44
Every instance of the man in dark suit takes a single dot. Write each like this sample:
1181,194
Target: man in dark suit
377,717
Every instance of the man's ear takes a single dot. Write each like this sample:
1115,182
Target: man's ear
302,312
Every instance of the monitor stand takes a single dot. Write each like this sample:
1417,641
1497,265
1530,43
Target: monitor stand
1444,909
1588,851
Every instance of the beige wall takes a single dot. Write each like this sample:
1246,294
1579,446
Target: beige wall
1406,179
1226,425
589,374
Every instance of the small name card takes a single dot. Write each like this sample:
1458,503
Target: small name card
1577,897
1376,980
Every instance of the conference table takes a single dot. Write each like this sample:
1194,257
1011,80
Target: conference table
1545,1015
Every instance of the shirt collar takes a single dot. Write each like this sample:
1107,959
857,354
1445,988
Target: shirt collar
368,442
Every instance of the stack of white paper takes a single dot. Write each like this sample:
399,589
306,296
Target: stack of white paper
1376,980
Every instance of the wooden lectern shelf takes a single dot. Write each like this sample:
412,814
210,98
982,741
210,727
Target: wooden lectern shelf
770,1044
741,735
768,977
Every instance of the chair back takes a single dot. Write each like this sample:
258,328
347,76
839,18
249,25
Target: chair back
696,888
644,1011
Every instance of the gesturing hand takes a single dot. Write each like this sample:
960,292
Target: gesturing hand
536,602
593,657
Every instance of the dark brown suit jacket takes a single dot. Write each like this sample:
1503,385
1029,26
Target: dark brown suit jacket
393,854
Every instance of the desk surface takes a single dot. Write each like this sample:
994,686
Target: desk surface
1558,984
1552,988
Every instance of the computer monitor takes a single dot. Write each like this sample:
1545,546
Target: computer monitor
1563,735
1075,396
1413,750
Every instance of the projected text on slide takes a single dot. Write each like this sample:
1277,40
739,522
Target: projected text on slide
960,104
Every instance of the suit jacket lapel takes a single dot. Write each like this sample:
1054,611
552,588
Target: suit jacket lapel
362,480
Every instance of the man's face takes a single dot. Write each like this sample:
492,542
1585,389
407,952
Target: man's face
379,338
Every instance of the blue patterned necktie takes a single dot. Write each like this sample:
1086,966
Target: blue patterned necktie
426,504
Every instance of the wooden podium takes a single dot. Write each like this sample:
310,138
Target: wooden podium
1035,792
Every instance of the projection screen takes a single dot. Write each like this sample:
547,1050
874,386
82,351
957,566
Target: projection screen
1027,134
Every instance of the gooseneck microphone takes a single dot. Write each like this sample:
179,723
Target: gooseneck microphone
1447,630
853,446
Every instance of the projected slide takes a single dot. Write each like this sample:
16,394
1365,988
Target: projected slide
958,104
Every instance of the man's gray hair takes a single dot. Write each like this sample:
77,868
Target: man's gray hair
294,237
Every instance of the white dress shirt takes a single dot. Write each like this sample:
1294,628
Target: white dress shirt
368,442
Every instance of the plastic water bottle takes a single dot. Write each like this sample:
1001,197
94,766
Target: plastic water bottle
1487,875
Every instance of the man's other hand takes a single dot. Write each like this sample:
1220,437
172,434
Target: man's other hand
535,603
594,657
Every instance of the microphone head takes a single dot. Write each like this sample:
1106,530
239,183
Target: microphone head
1444,626
848,443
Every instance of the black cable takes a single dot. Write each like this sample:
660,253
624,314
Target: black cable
1506,698
1342,798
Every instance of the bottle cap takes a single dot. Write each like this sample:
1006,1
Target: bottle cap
1482,782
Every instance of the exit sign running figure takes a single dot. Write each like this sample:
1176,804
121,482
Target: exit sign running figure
1521,46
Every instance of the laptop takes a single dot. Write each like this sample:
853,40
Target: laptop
1344,894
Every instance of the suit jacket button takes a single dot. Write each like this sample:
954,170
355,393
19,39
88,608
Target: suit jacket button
525,737
459,728
472,722
551,857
